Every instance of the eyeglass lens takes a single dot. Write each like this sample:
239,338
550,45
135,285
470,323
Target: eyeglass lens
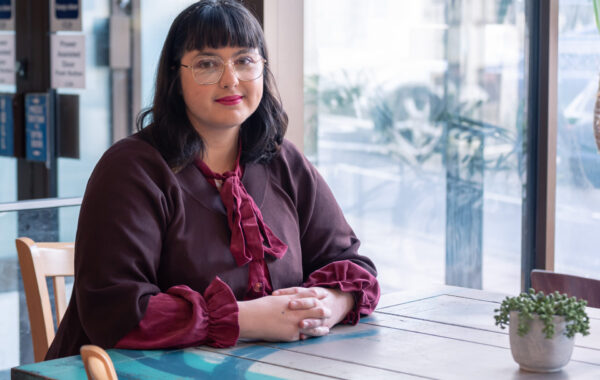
208,69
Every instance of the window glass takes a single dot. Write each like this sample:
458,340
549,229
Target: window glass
414,116
8,193
8,165
94,103
578,160
156,20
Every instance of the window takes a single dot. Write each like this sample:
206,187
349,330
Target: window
578,161
415,118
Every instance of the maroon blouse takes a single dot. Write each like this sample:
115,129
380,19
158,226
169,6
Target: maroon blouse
153,260
181,317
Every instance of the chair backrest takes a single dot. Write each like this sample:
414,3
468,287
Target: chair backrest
38,261
97,363
574,286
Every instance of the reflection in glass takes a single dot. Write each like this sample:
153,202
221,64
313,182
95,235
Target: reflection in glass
414,115
577,161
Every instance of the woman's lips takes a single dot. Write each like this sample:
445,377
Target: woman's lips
230,100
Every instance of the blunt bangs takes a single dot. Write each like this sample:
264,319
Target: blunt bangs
219,24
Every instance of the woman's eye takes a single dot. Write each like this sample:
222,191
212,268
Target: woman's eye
206,64
245,60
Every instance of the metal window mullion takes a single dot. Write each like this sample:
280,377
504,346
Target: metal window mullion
32,44
38,204
540,191
136,61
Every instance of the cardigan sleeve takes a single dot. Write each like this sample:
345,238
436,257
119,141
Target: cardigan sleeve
182,317
129,203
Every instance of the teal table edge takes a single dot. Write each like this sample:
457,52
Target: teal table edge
176,363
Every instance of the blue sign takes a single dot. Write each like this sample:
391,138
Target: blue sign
5,10
37,127
67,9
7,134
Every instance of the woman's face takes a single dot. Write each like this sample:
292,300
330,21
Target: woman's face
226,103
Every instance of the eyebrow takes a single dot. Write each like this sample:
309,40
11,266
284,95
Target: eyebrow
241,51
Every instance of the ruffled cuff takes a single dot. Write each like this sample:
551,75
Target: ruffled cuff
349,277
182,317
222,308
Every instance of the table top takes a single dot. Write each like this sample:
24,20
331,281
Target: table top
442,333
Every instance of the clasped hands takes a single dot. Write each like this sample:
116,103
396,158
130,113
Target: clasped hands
293,313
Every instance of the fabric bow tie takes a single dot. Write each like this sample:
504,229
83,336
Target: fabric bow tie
251,238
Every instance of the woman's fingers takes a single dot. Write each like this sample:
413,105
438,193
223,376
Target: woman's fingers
310,323
313,306
303,303
316,331
287,291
301,292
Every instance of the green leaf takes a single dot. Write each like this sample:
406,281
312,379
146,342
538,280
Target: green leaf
597,13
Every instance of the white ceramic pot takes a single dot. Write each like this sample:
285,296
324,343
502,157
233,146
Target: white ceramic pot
533,351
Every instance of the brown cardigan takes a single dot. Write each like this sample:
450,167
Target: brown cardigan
143,229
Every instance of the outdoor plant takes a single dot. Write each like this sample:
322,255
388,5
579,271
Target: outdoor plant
545,307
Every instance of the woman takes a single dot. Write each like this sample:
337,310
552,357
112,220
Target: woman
207,226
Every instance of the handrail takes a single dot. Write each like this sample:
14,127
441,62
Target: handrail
43,203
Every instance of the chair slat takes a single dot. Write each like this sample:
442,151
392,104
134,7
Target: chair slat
60,298
574,286
57,261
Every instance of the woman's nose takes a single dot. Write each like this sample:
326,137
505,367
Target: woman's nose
229,78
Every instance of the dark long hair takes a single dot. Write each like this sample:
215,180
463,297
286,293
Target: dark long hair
214,24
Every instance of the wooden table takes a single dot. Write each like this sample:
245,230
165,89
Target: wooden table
445,333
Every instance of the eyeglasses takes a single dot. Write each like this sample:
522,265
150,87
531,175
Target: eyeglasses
208,69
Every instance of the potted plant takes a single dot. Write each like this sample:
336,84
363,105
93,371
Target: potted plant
542,328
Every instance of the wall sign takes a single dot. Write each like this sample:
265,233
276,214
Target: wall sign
67,61
7,58
7,14
7,137
37,127
65,15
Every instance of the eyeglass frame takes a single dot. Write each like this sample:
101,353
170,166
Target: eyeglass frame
228,62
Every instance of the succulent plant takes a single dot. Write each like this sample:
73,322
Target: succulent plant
545,306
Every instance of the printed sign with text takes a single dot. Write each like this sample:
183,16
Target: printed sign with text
37,126
67,61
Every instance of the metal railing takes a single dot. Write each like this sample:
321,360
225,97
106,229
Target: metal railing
34,204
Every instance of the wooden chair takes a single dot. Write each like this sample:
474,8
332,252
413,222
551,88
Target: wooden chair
38,261
574,286
97,363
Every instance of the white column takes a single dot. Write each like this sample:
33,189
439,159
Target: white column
284,32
